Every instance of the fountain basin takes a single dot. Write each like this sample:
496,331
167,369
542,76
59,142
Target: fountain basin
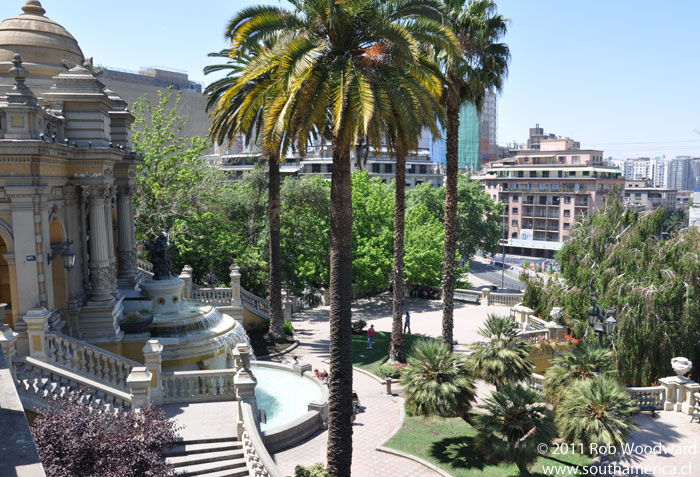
296,405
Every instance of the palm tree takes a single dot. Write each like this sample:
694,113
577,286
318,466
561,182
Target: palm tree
514,424
587,361
504,358
327,64
595,411
483,67
242,111
437,382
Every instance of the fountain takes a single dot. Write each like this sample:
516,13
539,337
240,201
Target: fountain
194,335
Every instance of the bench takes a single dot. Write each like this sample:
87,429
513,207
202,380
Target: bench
645,403
468,297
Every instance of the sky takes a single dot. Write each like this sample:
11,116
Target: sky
618,75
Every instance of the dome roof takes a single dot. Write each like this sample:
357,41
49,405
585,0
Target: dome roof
43,43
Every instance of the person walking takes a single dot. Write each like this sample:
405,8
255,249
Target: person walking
407,324
370,337
211,278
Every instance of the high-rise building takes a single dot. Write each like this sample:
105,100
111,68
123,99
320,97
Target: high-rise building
679,173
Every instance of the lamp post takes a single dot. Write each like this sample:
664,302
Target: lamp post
67,255
602,324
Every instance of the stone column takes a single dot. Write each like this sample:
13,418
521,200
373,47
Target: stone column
111,192
244,381
236,305
126,248
37,320
139,382
485,292
186,276
100,266
691,389
152,356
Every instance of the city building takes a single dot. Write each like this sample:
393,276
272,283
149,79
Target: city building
545,190
642,196
694,209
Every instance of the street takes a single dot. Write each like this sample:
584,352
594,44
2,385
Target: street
481,272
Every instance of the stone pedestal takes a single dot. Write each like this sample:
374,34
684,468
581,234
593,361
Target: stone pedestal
236,310
37,320
485,292
690,389
674,392
166,295
152,359
139,382
99,322
186,276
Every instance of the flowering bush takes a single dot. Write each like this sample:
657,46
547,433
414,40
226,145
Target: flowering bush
393,370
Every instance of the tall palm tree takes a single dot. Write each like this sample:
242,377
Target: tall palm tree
437,382
514,424
503,358
327,63
595,411
587,361
242,111
483,67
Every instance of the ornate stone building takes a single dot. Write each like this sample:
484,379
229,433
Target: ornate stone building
67,178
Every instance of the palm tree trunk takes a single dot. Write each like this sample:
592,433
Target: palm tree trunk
448,274
276,333
396,351
339,451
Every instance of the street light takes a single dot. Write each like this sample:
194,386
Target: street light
603,325
68,255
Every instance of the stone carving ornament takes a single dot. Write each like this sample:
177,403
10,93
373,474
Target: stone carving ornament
101,279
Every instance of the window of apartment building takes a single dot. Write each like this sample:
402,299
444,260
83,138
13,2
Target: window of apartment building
316,168
329,168
521,174
637,195
562,160
514,223
572,173
375,169
541,186
412,169
515,198
422,169
567,213
533,173
567,199
560,173
514,235
566,225
388,168
515,211
545,173
586,173
576,159
419,183
527,159
555,186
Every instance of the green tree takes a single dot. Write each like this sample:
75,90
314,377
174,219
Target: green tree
242,111
425,235
503,358
437,382
515,422
175,182
330,63
595,411
305,227
481,66
372,232
586,361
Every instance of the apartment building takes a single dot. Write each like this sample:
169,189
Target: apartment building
642,196
545,190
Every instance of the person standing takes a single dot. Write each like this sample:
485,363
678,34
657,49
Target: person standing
211,279
370,337
407,324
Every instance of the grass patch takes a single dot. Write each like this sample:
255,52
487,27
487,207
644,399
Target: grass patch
371,359
449,444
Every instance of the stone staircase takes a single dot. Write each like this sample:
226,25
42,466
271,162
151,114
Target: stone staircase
219,457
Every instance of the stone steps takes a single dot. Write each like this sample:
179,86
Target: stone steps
219,457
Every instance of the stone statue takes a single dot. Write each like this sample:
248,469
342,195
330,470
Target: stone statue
158,249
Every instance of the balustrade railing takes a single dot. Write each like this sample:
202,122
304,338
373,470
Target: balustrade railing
199,386
655,395
255,302
144,266
535,382
534,336
212,296
88,360
39,383
258,460
505,299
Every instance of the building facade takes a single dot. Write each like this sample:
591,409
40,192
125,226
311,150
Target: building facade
545,190
67,181
642,196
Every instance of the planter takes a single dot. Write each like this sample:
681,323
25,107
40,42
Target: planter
138,326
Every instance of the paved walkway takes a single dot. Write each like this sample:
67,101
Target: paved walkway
382,414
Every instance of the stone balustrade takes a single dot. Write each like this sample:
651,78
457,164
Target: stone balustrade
655,395
258,460
39,382
212,296
88,360
535,382
255,303
504,299
198,386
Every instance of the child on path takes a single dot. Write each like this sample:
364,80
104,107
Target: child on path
370,337
407,324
